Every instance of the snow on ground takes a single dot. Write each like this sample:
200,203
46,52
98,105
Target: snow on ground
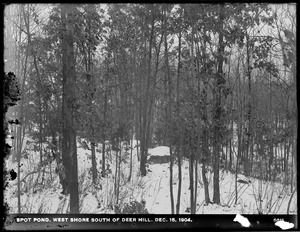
159,151
154,188
274,198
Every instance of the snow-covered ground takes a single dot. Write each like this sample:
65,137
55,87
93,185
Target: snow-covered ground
159,151
154,188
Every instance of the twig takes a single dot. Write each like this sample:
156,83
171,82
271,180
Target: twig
288,208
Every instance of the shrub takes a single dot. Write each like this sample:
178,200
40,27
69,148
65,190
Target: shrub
134,207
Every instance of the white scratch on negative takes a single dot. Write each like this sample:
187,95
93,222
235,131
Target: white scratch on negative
284,225
242,220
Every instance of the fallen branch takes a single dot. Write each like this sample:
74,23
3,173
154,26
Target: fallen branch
30,173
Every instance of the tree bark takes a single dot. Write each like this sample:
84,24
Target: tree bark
169,111
192,143
218,108
146,111
103,172
69,148
205,145
179,127
248,148
239,129
94,164
19,130
131,151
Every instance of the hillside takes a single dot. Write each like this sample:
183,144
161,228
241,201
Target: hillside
153,189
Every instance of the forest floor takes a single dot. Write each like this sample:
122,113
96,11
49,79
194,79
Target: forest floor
45,196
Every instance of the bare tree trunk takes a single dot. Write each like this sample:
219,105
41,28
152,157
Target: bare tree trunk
56,156
94,164
119,172
146,112
205,154
192,143
14,142
292,172
40,132
295,123
239,129
249,113
271,131
19,149
179,150
69,153
205,147
21,119
169,110
40,144
237,158
196,175
230,144
143,109
103,159
179,127
103,172
217,111
116,168
286,163
191,172
131,150
205,183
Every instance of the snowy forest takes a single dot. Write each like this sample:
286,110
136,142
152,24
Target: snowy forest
151,108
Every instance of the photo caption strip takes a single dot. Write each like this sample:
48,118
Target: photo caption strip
147,221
